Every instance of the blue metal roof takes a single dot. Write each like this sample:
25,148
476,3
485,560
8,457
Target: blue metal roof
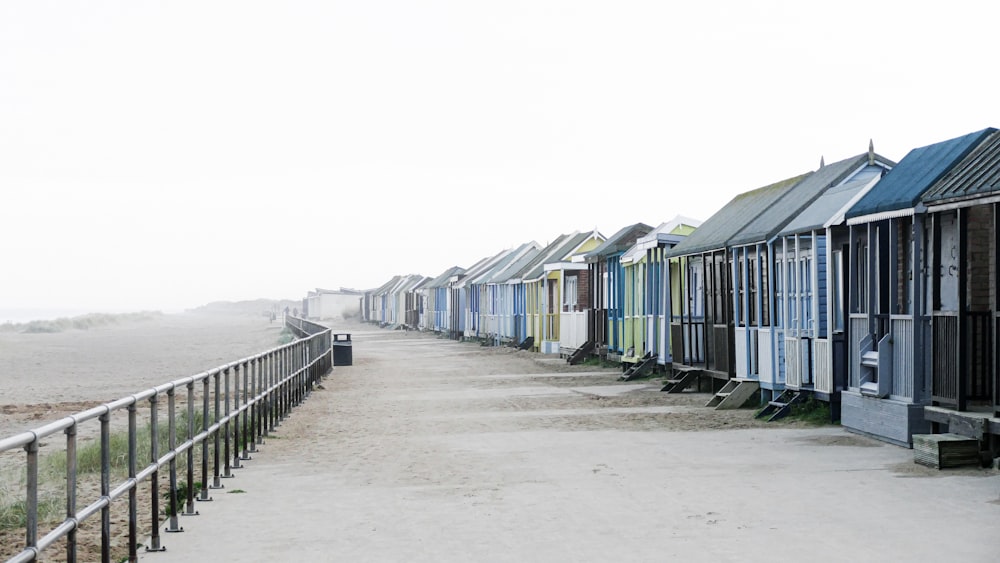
916,173
977,176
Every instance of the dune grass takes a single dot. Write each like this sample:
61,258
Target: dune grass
82,322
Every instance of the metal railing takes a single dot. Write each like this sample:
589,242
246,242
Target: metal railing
241,403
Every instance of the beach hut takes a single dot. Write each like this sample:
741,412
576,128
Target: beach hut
461,299
526,297
889,337
500,325
413,296
401,302
647,296
606,317
701,274
479,305
565,297
379,302
436,316
533,289
332,303
806,334
779,292
960,285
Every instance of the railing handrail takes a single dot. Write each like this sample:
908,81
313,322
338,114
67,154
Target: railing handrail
273,382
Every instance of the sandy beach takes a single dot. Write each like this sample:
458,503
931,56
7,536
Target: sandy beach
427,449
46,376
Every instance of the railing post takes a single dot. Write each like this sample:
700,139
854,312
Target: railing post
71,468
245,414
228,430
133,493
262,398
253,403
269,400
216,476
172,447
236,419
106,486
154,487
283,387
206,416
189,485
31,500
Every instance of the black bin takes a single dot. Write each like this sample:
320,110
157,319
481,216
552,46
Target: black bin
342,354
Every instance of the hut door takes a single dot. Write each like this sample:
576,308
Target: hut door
948,264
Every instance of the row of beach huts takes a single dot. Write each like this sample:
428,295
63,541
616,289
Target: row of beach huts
867,284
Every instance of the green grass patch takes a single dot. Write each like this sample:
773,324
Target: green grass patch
596,361
285,336
811,411
88,455
13,513
236,492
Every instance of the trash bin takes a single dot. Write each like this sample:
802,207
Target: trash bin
342,355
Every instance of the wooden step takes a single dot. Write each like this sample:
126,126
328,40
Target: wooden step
870,359
945,450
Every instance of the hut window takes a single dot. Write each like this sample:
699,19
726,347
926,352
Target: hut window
553,297
861,267
805,291
765,313
752,274
792,295
837,289
570,293
779,296
741,283
604,291
904,273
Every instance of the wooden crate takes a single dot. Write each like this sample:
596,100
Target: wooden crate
945,450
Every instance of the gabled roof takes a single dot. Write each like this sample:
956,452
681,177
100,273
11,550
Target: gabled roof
915,174
498,266
787,207
442,279
561,250
547,254
478,268
662,234
618,242
407,283
978,175
829,208
521,257
384,288
727,222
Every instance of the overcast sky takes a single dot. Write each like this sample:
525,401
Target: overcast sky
164,155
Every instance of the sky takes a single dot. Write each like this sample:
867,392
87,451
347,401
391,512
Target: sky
163,155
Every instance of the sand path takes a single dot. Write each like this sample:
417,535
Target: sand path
432,450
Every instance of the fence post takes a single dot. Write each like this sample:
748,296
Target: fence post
245,412
189,488
154,487
171,446
205,417
106,485
133,493
71,467
236,419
